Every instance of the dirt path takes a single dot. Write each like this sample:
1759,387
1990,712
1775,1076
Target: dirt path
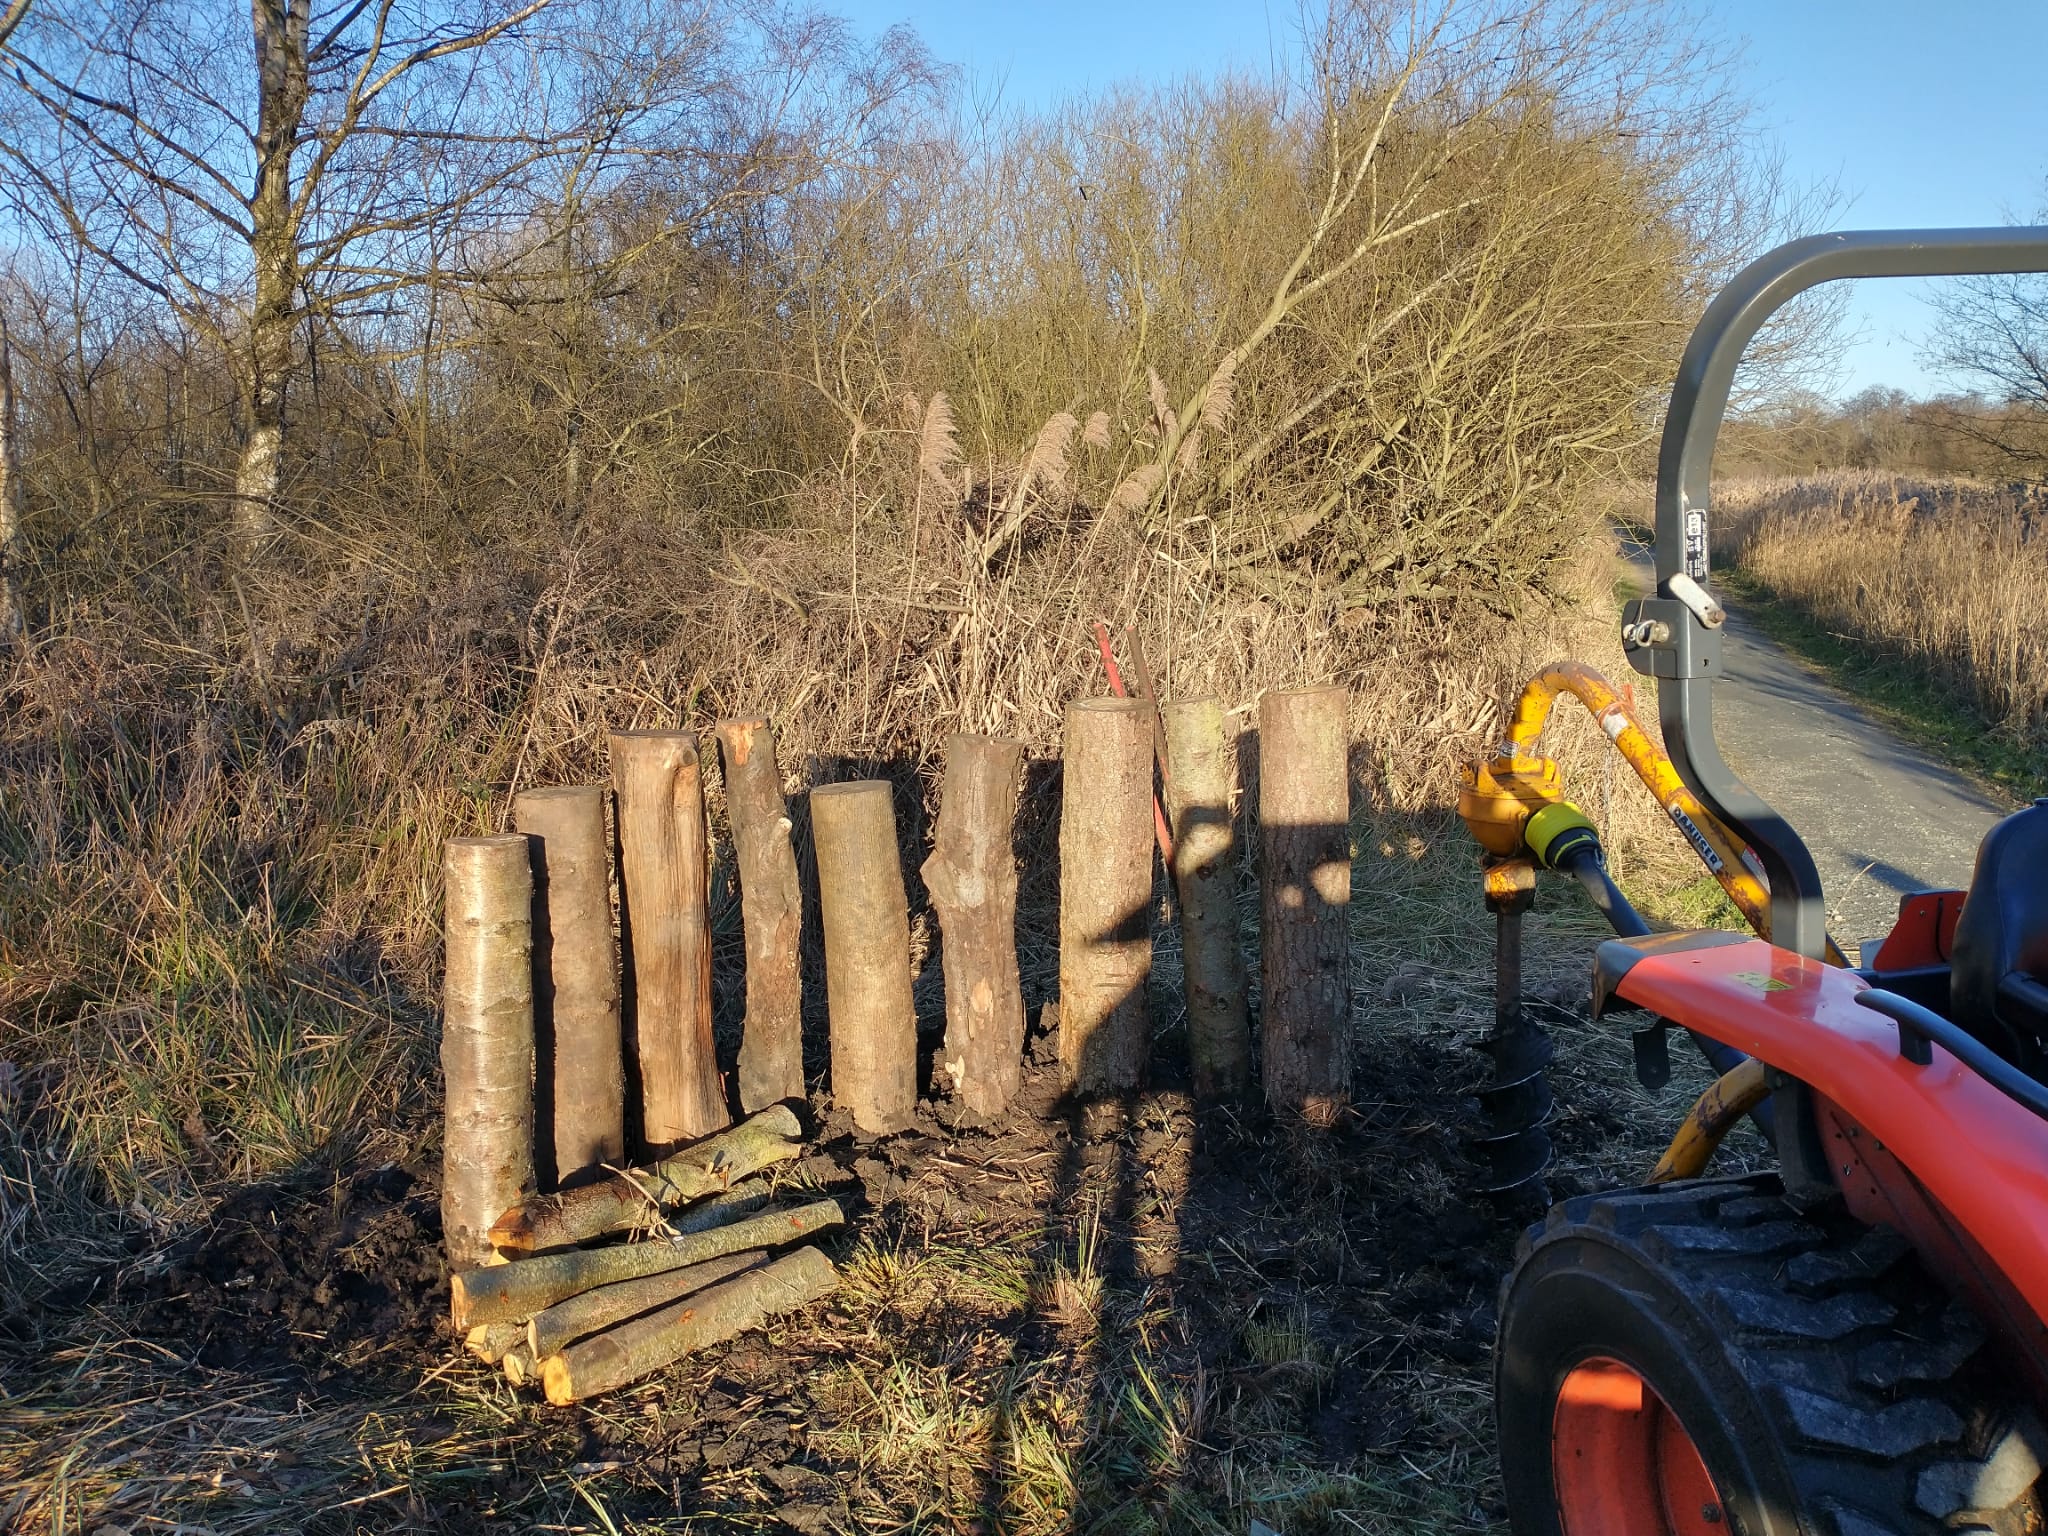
1882,816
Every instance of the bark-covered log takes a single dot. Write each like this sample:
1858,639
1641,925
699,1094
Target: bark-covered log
665,879
486,1041
552,1328
1106,894
520,1365
637,1197
771,1065
489,1342
1305,891
1204,875
506,1293
632,1350
972,878
864,913
579,1078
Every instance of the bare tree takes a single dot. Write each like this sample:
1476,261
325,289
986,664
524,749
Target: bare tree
267,182
1992,339
10,494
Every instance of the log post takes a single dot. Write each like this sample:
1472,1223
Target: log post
771,1065
579,1078
866,918
665,885
1106,894
486,1041
1204,870
972,877
1305,894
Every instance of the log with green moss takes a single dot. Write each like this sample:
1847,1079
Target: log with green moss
639,1197
506,1293
556,1327
632,1350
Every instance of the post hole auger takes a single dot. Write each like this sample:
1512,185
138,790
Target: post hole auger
1851,1338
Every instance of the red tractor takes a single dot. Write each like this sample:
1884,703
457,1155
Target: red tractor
1857,1343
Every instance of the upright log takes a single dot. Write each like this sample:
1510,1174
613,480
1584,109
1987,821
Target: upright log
486,1041
972,877
863,910
1204,866
579,1081
1106,894
665,879
1305,895
771,908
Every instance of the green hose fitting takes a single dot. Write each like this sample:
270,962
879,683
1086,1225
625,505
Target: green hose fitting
1559,830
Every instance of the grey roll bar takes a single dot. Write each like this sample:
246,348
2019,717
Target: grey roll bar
1670,639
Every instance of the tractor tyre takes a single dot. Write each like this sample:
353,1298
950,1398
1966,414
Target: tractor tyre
1701,1359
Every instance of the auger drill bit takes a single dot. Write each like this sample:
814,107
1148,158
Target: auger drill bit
1513,1147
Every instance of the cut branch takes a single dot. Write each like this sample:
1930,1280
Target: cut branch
580,1316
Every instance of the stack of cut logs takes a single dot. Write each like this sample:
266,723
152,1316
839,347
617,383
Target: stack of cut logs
536,1047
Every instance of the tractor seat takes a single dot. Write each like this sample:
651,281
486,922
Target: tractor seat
1998,981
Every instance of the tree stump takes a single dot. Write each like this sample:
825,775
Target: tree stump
1204,875
771,1066
486,1041
1106,894
665,886
865,915
972,877
579,1081
1305,895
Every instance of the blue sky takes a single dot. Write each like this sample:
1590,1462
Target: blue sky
1924,112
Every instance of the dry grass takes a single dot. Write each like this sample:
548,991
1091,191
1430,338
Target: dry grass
1943,577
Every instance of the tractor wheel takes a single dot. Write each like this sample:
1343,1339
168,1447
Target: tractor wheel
1702,1358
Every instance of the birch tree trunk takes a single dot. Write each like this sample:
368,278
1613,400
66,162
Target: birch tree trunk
1106,894
1204,875
665,877
972,877
282,37
486,1041
866,919
579,1083
771,1065
1305,891
11,621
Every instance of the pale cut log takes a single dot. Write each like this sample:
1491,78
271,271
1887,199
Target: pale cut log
665,879
519,1365
489,1342
554,1328
636,1349
486,1041
1106,842
1204,875
865,915
637,1197
579,1078
771,1064
1305,895
507,1293
972,878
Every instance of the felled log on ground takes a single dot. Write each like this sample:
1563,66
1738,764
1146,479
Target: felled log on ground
632,1350
1106,840
505,1293
490,1341
486,1041
1305,896
972,877
771,1064
866,919
637,1198
664,877
1204,876
553,1328
580,1084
